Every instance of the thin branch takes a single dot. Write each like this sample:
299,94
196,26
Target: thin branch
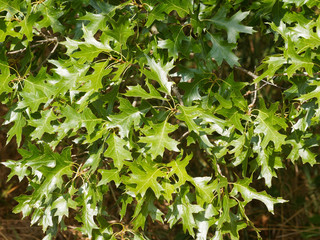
38,43
254,97
249,92
134,103
46,59
178,95
254,76
183,136
114,196
4,237
251,74
176,92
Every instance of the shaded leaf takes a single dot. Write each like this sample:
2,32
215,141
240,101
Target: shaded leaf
231,25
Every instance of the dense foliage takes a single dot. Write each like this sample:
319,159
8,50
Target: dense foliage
139,111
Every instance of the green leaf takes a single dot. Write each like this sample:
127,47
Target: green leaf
88,211
272,63
50,16
61,206
128,117
17,169
16,129
231,25
89,38
108,175
94,158
42,125
121,31
5,76
23,206
156,14
178,168
191,91
270,133
174,43
160,74
74,121
157,139
138,91
297,61
182,7
145,208
87,53
205,220
315,93
54,175
241,149
205,190
26,25
188,115
117,151
268,124
222,51
269,162
248,193
226,205
144,177
235,225
97,21
300,149
183,209
125,200
94,80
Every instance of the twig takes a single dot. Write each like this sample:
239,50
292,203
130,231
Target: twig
178,95
134,103
41,33
254,76
79,155
176,92
38,43
249,92
251,74
46,59
4,237
254,97
114,196
183,136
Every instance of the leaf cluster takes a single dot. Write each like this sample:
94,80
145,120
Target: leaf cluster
140,104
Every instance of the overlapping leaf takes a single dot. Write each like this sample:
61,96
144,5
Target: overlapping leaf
157,139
